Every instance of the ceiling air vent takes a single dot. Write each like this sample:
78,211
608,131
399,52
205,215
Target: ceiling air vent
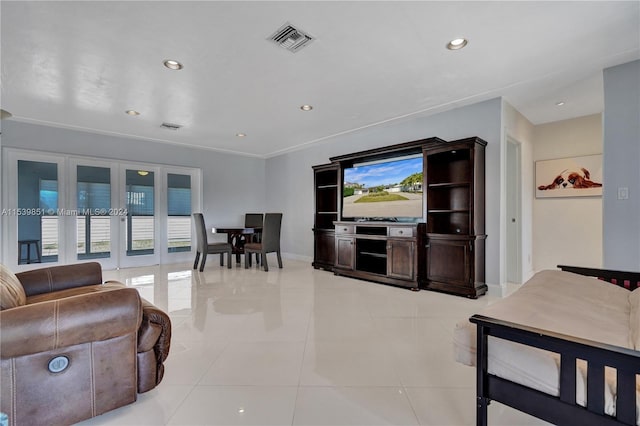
170,126
290,38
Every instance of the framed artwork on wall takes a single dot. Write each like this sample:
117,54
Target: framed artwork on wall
569,177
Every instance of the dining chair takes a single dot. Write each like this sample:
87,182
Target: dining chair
270,241
203,247
254,220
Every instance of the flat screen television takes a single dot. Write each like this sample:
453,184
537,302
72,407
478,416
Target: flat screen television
388,189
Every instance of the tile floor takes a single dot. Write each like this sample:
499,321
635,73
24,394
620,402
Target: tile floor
298,346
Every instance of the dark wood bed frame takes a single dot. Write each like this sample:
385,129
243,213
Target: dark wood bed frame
562,409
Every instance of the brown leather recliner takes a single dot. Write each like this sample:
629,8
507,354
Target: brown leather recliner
73,347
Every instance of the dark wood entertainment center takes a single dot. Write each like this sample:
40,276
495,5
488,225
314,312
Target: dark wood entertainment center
443,251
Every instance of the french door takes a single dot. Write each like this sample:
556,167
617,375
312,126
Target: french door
60,209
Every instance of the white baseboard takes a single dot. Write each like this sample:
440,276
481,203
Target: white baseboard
297,257
497,290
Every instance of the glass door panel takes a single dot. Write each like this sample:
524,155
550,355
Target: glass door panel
38,236
178,212
140,219
93,221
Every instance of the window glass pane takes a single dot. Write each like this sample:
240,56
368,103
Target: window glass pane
179,194
179,212
37,211
179,201
93,221
140,212
48,194
140,200
94,188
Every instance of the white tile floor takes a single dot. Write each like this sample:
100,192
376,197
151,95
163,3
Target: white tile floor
298,346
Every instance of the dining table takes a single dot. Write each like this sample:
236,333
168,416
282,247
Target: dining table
237,237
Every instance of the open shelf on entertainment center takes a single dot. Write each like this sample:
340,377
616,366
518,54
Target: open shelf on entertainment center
371,256
327,207
455,240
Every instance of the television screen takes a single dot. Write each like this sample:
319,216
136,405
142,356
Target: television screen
386,189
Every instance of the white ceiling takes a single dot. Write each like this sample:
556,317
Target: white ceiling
82,64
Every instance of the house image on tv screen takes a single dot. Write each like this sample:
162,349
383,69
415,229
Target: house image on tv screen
390,189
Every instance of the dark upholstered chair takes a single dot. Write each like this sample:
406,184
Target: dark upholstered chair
254,220
204,248
270,241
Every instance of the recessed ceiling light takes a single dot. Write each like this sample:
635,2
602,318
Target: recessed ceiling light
457,43
132,112
241,135
173,64
306,107
559,103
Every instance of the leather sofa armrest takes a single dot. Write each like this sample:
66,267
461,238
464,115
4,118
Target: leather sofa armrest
155,331
154,338
55,278
60,323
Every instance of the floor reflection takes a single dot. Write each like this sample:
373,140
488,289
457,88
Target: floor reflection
303,346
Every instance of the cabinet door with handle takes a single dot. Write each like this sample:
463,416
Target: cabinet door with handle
324,253
449,261
401,259
345,252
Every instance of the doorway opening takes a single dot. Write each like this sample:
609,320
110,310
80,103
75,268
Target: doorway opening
514,212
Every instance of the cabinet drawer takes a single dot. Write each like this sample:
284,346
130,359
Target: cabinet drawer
345,229
398,231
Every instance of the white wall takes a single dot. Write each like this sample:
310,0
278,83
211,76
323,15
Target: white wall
290,177
232,184
520,130
235,184
552,228
621,120
567,230
1,194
